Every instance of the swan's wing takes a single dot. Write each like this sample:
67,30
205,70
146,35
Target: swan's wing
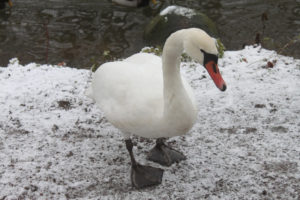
130,92
142,58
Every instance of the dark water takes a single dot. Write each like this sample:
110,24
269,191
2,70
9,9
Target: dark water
80,32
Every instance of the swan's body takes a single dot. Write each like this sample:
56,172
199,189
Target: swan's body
146,96
132,98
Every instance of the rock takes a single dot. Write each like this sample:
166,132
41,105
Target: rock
64,104
260,106
174,18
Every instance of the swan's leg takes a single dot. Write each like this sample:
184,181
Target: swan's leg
143,176
163,154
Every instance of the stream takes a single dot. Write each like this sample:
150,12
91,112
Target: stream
83,32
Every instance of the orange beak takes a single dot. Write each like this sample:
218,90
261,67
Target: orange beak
213,70
10,3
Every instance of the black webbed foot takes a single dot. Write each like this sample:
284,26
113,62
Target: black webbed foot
164,155
145,176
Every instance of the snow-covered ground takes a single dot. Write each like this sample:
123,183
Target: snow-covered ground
56,144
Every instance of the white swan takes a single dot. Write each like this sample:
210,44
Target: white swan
146,96
134,3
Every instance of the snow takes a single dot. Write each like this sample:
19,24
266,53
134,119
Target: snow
178,10
56,144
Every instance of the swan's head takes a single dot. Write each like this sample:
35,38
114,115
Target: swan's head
203,48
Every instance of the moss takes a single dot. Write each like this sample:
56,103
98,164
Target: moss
151,28
185,58
105,57
94,67
221,48
154,50
160,27
158,51
269,43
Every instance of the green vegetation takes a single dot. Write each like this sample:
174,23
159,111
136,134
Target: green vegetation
221,48
184,57
154,50
105,57
291,42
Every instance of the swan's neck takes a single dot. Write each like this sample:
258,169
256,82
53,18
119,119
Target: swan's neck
171,64
178,107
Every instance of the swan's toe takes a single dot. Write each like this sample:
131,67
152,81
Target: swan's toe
145,176
165,155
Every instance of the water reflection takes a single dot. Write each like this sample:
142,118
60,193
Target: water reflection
78,32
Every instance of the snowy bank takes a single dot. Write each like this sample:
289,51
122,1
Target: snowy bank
56,144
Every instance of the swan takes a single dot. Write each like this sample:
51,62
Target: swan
146,95
134,3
